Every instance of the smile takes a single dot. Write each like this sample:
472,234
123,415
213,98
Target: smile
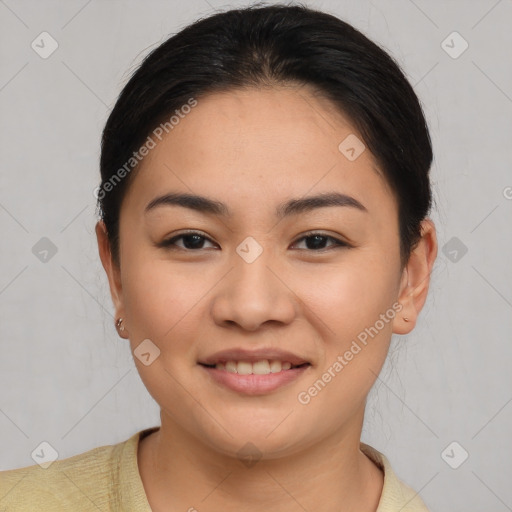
263,367
254,378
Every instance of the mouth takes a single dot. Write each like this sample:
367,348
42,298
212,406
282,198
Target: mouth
261,367
256,372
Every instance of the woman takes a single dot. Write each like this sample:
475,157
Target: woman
264,198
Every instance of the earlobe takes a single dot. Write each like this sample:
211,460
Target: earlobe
416,279
111,269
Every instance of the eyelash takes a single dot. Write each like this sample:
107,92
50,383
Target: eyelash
338,244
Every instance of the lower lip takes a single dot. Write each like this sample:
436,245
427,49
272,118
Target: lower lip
255,384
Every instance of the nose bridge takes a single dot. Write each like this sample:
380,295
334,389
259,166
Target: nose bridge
252,271
252,292
252,278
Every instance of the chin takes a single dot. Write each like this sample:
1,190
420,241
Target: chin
268,439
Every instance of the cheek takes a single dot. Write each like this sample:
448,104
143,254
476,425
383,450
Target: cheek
349,296
346,307
157,295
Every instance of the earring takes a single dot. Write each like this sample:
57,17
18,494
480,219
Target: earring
119,324
404,317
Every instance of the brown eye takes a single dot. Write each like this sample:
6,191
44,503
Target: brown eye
191,241
316,241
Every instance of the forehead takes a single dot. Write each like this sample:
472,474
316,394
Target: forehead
246,146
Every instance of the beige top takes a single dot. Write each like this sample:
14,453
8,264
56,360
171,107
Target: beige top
107,478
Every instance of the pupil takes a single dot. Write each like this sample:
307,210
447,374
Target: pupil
197,238
317,238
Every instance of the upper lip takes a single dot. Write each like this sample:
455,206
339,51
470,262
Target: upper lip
240,354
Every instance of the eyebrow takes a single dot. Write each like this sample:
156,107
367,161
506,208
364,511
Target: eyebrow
209,206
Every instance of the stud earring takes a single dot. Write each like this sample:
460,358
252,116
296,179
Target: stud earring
404,317
119,324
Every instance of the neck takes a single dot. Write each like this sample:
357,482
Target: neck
180,472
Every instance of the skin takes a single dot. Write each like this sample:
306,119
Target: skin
253,149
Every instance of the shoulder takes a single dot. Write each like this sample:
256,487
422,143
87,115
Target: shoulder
396,495
86,481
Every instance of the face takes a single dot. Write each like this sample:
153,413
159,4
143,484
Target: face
317,281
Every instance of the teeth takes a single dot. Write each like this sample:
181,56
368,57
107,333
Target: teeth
231,367
275,366
244,368
263,367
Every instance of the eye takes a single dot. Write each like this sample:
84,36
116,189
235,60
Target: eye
318,241
191,240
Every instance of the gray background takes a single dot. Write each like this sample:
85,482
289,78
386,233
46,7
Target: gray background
68,379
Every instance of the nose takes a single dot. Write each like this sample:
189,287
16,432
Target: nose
252,294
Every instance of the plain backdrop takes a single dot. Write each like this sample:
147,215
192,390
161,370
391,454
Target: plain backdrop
68,379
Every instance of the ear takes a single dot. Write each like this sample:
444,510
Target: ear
416,279
112,270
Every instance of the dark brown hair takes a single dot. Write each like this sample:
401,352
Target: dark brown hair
272,45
